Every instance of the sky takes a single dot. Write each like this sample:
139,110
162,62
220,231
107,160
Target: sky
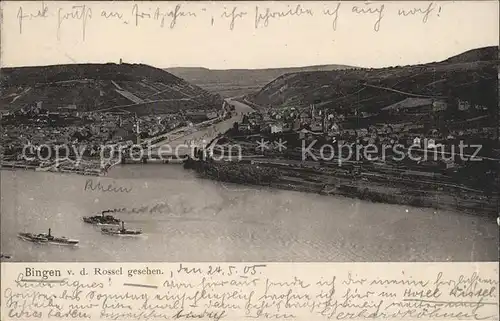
376,34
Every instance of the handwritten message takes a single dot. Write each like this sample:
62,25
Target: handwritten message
96,186
171,15
252,291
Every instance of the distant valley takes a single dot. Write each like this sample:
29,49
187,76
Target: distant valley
237,82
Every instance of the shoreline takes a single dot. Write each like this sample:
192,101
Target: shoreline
35,168
362,225
293,179
476,204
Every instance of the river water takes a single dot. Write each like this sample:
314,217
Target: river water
211,221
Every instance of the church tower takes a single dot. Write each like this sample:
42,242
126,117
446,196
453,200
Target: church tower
137,130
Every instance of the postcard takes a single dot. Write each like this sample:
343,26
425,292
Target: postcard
249,160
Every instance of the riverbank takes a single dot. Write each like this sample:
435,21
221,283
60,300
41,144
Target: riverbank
86,168
403,189
207,220
374,186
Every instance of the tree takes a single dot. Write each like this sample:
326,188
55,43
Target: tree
451,100
488,96
236,128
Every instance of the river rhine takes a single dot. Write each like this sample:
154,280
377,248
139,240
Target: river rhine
210,221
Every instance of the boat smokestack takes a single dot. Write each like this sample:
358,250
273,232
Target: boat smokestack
49,231
123,225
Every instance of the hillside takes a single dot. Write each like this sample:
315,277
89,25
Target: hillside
471,76
132,87
480,54
236,82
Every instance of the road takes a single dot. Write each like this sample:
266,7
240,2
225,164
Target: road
180,146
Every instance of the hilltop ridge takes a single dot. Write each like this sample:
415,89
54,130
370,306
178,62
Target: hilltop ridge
235,82
139,88
479,54
470,76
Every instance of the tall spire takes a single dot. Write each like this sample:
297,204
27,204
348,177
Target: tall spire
137,129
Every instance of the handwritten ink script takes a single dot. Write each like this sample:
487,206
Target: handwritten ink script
180,206
96,186
253,291
170,15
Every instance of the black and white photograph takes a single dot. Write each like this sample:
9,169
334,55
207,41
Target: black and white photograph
245,132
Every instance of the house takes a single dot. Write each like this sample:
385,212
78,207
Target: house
480,107
120,134
212,115
244,127
316,126
463,105
302,133
450,163
439,105
276,128
68,107
305,118
334,129
431,143
350,132
196,116
412,105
